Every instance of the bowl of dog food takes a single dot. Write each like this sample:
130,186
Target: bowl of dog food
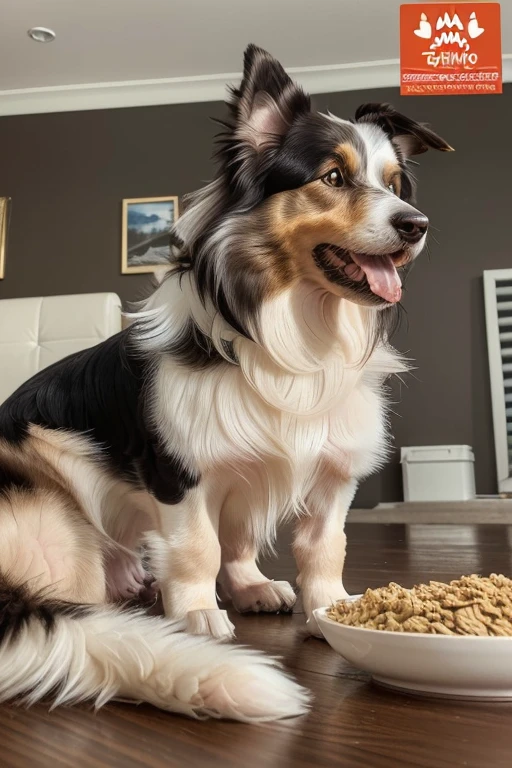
451,640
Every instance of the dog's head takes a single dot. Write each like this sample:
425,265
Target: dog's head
303,195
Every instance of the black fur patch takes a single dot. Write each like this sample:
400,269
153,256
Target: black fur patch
10,478
311,140
18,606
193,348
103,393
245,165
190,347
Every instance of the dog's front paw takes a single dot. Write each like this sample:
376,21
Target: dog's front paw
320,595
212,622
313,629
266,596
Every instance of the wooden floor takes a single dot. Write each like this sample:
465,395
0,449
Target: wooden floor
352,723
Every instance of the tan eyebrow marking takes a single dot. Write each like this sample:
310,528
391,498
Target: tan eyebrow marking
391,173
350,157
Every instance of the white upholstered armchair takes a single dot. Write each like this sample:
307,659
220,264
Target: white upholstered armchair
36,332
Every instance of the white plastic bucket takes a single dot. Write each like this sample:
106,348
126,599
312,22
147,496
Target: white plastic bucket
438,473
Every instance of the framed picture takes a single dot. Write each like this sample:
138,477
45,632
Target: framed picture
145,239
4,219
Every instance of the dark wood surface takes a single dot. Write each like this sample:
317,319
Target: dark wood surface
352,723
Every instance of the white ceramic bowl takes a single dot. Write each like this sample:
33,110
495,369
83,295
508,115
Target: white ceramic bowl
435,665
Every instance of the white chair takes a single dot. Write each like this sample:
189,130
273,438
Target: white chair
39,331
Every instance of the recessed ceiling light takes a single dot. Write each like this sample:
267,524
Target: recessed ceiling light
41,34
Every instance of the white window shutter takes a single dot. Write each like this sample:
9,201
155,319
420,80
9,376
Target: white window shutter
498,316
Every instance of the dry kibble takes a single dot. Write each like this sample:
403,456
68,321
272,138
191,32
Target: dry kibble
471,605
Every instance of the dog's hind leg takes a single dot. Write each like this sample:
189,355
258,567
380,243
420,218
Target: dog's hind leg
240,579
53,645
48,547
117,512
131,514
57,642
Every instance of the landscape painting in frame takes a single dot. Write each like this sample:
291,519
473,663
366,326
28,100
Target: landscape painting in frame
146,225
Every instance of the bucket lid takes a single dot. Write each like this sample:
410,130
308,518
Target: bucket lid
436,453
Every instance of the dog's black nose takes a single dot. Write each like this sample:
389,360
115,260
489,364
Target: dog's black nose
410,226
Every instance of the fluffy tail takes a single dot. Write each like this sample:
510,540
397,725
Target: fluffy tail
79,653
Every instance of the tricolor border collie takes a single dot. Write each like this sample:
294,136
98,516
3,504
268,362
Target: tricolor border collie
247,391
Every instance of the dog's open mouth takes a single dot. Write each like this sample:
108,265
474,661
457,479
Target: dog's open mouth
378,273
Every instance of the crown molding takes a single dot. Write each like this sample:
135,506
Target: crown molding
182,90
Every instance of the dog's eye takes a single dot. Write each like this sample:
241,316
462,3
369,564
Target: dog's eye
333,178
392,188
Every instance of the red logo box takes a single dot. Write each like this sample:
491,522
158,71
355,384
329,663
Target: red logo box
450,49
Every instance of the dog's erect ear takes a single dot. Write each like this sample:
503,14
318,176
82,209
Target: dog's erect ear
410,137
267,101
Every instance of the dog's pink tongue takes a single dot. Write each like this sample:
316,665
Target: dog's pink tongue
382,276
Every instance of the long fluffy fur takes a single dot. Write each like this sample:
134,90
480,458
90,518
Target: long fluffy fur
248,389
280,399
106,654
53,647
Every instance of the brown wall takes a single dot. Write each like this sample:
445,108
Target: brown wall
67,175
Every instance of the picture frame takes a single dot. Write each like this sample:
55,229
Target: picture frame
146,222
4,222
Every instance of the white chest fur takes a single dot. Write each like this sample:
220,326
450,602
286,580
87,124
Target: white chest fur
302,395
215,420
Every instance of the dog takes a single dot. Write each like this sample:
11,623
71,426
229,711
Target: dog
247,390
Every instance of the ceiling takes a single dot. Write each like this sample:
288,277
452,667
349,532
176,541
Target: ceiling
185,50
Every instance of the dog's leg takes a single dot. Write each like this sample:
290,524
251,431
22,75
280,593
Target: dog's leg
186,562
130,516
240,579
47,547
117,512
319,547
126,576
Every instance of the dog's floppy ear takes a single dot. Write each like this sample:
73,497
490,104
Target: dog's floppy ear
410,137
267,101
